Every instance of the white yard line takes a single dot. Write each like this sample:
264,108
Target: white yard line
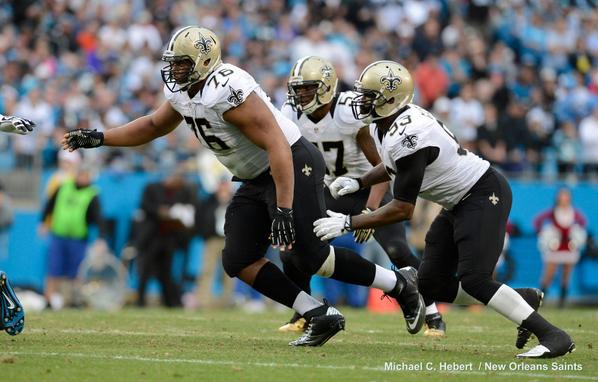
171,333
283,366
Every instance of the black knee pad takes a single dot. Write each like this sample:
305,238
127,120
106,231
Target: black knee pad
231,266
306,262
480,286
292,264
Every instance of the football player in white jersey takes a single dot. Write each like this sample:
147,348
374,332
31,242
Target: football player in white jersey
12,315
326,119
421,157
282,182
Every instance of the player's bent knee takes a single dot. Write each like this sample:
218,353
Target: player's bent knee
310,261
327,267
232,268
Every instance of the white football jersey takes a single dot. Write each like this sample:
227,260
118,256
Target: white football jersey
451,175
335,136
226,87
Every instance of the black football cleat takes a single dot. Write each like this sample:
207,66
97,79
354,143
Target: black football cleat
534,297
322,326
411,302
554,344
435,326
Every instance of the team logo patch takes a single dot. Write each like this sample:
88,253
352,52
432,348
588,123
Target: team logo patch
235,97
326,71
493,199
203,44
390,81
306,170
410,141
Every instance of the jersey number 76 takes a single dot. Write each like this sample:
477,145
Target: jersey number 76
198,125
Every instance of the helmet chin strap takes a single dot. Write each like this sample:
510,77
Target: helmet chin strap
191,82
312,106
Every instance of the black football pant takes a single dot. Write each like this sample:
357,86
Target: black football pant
463,245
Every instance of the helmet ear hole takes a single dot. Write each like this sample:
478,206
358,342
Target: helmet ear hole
207,62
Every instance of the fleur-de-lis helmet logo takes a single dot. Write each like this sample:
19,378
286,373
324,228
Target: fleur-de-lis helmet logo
326,71
390,81
203,44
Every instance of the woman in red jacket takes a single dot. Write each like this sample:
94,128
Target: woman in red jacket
561,236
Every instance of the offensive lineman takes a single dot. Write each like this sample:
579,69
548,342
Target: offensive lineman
326,119
12,315
232,116
463,244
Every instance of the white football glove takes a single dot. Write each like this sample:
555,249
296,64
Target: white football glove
16,125
334,226
343,186
363,235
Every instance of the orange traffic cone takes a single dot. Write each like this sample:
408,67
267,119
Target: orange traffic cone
378,304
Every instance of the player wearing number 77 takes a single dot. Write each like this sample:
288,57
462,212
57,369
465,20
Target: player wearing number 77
421,157
281,174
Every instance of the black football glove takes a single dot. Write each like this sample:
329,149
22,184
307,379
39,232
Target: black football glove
283,227
16,125
84,138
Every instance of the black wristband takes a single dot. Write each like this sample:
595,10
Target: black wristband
359,182
348,223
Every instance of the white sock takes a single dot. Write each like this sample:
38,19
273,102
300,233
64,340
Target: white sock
431,309
510,304
304,303
464,298
385,279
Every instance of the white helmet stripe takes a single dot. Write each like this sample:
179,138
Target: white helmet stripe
299,65
366,69
174,37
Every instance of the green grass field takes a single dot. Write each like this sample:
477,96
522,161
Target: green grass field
174,345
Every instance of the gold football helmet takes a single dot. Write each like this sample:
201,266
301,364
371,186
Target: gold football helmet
384,87
312,83
192,54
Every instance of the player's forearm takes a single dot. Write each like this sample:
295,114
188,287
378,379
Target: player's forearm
376,175
376,195
389,213
135,133
281,167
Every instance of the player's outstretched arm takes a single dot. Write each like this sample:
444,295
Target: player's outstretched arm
405,190
376,175
392,212
343,185
406,187
135,133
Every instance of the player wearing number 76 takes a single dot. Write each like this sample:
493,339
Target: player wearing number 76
281,194
422,158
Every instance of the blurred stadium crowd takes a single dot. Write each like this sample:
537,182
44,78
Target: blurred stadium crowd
516,81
